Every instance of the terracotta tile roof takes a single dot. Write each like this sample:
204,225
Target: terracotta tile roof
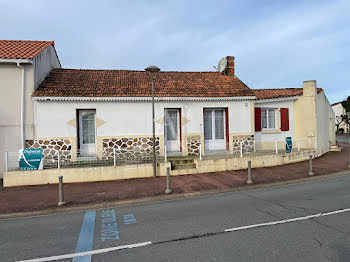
279,93
125,83
22,49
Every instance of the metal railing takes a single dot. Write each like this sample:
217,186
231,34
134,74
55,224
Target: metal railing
113,157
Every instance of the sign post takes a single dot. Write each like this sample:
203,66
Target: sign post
30,159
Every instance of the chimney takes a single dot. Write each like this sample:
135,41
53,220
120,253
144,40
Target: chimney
310,88
230,68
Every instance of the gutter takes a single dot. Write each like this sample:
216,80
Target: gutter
22,106
140,99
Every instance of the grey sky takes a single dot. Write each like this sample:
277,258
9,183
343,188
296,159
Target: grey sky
276,43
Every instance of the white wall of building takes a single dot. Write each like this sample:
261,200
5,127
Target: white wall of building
338,111
277,134
325,123
134,118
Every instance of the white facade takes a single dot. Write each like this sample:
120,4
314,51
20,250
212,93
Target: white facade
276,134
339,110
325,123
132,117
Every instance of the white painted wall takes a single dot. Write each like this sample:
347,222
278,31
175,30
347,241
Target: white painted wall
43,63
280,136
325,123
338,111
134,118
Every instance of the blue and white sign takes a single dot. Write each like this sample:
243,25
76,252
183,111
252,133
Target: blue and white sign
289,145
30,159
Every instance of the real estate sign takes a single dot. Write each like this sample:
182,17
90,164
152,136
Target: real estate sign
30,159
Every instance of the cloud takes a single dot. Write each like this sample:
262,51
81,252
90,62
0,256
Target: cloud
276,43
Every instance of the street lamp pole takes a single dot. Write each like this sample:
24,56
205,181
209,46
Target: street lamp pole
153,70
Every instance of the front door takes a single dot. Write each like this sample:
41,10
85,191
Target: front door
172,130
214,129
87,135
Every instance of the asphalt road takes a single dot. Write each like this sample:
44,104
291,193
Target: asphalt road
194,229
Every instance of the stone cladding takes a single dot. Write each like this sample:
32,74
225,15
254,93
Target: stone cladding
51,147
193,145
247,146
130,148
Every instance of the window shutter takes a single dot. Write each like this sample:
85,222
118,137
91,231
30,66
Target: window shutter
257,119
284,119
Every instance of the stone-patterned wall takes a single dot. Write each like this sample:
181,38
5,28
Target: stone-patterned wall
129,148
248,144
193,145
51,147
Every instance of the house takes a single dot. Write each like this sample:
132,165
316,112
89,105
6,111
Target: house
99,114
23,66
304,114
96,111
339,111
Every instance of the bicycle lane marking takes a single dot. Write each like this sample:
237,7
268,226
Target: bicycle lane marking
86,237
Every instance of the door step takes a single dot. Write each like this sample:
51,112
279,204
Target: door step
178,163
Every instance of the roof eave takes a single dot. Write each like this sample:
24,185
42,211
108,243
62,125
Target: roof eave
131,99
24,61
277,99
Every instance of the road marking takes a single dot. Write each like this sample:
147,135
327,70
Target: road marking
129,219
88,253
86,237
288,220
105,250
109,227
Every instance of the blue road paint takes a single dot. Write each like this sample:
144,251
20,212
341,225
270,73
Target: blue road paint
129,219
109,228
86,237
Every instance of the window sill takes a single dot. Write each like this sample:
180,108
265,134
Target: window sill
274,131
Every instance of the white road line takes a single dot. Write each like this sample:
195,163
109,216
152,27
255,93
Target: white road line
288,220
93,252
105,250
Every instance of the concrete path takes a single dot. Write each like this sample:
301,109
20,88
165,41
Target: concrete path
194,229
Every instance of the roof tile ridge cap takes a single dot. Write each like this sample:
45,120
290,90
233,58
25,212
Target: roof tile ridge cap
22,40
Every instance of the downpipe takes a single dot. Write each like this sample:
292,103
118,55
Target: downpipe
22,108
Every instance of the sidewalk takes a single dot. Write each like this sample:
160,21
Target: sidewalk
34,198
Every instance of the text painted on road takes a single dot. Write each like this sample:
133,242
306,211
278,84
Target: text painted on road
109,228
129,219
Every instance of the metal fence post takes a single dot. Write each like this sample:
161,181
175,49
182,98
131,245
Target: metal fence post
276,147
200,151
114,158
6,161
168,190
310,169
249,181
165,154
60,191
58,160
241,149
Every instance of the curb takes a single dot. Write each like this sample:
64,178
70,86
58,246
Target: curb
153,199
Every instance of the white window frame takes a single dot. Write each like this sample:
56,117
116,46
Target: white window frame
267,118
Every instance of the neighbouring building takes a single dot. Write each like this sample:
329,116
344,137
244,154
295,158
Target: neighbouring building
96,113
339,111
23,66
303,114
